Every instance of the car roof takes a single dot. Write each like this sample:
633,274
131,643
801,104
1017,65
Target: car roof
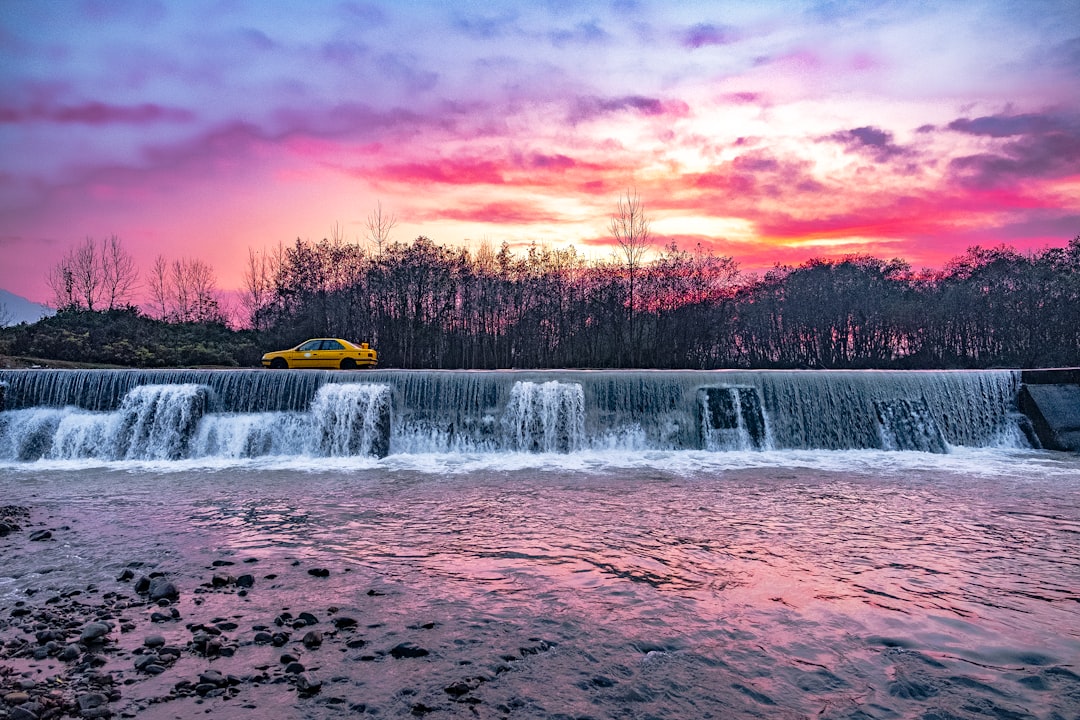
340,340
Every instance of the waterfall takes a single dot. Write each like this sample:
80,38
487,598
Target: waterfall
545,417
155,422
732,419
352,419
908,425
171,414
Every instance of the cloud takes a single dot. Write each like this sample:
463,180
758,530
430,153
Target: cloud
1036,146
869,140
592,107
1005,125
704,34
444,172
587,32
497,213
96,113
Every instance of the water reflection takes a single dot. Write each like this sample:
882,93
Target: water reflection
779,592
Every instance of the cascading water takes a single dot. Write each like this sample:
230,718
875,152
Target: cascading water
908,425
352,419
545,417
732,419
155,422
162,415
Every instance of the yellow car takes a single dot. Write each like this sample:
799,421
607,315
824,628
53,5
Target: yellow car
330,353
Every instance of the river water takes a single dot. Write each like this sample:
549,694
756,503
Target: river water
605,584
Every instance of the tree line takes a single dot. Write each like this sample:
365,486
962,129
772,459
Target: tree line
426,305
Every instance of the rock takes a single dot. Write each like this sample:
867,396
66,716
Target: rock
312,639
145,661
89,701
69,653
16,698
245,581
94,632
344,622
307,618
142,585
222,563
213,677
126,575
408,650
40,535
294,668
160,617
154,641
263,638
221,580
307,683
457,689
22,713
319,572
163,589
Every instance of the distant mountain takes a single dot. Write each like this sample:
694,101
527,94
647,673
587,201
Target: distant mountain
16,309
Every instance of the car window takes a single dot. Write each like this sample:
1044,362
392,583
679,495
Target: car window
310,345
332,345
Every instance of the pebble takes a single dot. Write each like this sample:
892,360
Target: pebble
94,632
22,713
408,650
213,677
308,684
162,589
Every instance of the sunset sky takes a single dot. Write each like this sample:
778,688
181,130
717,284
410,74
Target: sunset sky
769,131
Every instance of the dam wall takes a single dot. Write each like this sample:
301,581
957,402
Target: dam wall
174,414
1051,399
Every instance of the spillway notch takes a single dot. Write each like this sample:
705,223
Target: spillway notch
731,417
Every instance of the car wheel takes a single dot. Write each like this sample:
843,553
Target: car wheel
279,364
348,364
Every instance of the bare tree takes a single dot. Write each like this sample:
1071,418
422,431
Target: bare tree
258,287
61,280
630,228
90,275
6,316
86,269
159,288
196,291
379,225
118,273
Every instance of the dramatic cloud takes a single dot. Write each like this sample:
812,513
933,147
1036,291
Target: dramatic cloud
770,130
872,141
1036,146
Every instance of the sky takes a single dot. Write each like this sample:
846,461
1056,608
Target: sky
772,132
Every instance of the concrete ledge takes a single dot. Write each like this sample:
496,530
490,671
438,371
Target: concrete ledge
1051,376
1054,411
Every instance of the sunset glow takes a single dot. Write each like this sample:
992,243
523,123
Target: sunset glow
768,131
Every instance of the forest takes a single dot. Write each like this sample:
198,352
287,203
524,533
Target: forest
426,305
